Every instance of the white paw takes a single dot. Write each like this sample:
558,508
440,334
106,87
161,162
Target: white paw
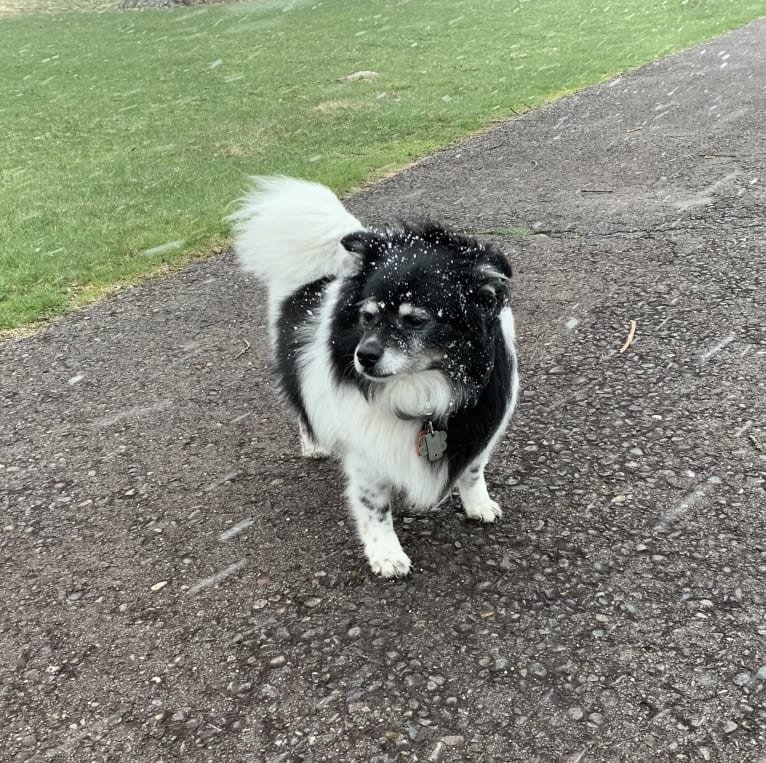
309,450
484,511
391,565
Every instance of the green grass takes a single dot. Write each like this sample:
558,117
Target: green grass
124,132
517,231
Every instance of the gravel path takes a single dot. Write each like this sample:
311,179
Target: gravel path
178,584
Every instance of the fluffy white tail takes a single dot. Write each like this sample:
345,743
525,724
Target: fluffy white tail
288,231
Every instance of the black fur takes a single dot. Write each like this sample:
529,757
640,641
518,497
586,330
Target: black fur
470,429
294,312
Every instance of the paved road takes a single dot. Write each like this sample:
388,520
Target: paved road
177,584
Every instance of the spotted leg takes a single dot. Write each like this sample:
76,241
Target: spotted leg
370,502
473,493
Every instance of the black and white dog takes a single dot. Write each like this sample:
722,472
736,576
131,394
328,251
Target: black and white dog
394,348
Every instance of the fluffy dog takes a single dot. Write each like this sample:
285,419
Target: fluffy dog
394,348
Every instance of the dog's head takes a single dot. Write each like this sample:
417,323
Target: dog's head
425,302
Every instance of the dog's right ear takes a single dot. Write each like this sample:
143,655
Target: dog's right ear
361,242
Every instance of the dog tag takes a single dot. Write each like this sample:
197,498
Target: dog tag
431,445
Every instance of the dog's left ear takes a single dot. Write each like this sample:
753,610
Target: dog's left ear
361,242
494,288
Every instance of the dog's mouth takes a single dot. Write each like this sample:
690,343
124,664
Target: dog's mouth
372,374
382,371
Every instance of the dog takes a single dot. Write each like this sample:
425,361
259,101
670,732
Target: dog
394,348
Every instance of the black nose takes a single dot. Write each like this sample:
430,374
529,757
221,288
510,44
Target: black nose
369,352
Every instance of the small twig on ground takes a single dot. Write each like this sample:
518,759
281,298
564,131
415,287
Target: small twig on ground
631,334
243,350
594,190
756,443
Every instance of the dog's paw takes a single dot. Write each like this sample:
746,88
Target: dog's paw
391,565
484,511
310,450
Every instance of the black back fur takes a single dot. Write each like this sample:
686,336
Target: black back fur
299,308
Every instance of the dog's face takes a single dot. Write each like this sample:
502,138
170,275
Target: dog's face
398,336
424,300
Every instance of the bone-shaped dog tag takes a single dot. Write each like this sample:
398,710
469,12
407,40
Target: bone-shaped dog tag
432,445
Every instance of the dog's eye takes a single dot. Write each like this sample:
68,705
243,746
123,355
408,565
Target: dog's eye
414,321
367,318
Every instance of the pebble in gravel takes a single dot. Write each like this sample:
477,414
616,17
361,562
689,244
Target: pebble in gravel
575,713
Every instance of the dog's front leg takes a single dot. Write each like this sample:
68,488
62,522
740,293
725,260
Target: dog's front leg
475,497
370,502
309,448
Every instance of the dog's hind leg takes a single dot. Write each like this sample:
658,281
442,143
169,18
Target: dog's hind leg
473,493
309,449
370,502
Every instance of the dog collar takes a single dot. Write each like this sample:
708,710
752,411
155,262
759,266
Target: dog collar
431,443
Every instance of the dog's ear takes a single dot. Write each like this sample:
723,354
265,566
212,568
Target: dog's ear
493,289
361,242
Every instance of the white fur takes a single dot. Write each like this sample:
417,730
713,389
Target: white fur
346,423
288,234
426,394
375,446
309,449
477,503
369,499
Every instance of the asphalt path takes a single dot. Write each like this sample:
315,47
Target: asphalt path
178,584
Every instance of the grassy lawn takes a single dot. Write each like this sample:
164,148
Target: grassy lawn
127,134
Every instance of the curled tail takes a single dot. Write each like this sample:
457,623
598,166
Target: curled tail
288,231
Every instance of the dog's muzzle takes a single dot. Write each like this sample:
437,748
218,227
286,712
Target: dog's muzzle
368,353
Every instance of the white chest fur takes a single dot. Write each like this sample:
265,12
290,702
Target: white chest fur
348,425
